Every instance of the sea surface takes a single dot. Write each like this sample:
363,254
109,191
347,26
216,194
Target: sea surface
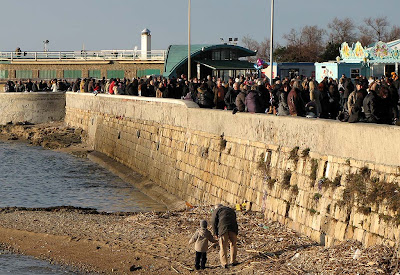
31,176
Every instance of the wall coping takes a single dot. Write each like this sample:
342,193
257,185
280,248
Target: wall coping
26,94
184,103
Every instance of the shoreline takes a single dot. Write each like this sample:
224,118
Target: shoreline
80,251
157,243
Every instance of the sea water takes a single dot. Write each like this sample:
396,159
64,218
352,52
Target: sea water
31,176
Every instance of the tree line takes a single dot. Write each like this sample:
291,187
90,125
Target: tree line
315,44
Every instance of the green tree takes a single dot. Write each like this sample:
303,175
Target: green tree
331,51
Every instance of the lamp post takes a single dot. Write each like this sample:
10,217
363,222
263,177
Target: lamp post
189,59
45,42
271,47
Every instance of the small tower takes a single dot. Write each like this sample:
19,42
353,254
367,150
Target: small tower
146,44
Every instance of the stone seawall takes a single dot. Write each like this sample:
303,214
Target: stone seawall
32,107
315,176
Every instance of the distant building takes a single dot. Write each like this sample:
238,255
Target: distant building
217,60
376,60
291,69
70,65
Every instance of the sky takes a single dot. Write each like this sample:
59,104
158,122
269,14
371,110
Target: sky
117,24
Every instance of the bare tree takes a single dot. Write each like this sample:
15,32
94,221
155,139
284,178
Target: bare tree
250,43
377,28
313,36
262,48
292,38
394,34
365,40
307,45
342,30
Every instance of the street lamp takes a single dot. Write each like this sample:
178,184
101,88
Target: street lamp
271,53
189,59
45,42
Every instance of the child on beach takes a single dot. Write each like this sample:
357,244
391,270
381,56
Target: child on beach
201,238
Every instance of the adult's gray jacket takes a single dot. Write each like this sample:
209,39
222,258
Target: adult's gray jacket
240,101
283,107
223,220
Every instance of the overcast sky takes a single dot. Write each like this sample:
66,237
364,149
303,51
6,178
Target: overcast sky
105,24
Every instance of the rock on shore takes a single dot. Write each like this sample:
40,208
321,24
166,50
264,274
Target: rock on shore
54,135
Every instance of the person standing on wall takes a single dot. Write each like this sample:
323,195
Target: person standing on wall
225,227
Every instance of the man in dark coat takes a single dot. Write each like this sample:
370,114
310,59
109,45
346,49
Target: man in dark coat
226,229
75,87
35,87
129,89
348,89
369,105
205,98
193,85
29,86
230,97
91,85
210,83
263,96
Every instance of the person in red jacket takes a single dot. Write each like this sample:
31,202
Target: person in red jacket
111,88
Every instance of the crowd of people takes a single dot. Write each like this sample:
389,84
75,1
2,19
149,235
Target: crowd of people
374,100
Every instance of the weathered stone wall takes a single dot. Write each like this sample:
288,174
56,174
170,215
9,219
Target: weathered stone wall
210,156
32,107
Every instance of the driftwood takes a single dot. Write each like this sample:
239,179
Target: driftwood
268,247
175,269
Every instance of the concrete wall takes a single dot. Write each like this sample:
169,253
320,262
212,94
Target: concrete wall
32,107
209,156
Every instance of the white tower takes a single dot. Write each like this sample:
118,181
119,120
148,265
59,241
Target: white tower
146,44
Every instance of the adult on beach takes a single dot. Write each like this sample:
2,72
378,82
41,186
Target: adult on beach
225,227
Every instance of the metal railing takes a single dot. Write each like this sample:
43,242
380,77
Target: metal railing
128,55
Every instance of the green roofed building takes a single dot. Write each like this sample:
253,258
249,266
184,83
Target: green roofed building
217,60
222,60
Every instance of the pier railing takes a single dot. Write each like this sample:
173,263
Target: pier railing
127,55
